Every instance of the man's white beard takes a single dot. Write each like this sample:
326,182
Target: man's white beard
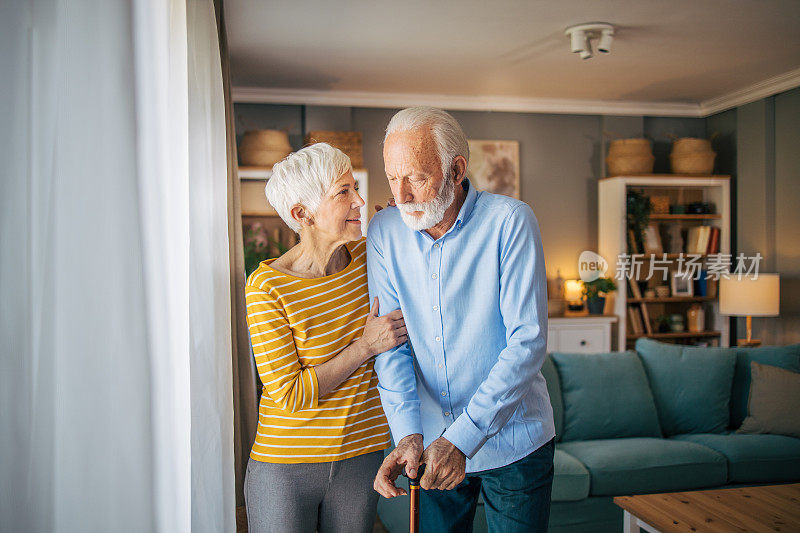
432,211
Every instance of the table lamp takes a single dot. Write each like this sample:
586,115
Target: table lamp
749,296
573,294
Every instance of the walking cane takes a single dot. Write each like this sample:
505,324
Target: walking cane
413,492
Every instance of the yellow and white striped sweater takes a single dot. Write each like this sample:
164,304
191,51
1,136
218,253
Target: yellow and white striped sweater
298,323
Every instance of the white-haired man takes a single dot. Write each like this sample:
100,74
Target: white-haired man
468,400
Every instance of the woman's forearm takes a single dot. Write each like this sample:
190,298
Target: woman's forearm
333,372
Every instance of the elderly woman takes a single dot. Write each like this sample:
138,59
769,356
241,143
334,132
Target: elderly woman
321,429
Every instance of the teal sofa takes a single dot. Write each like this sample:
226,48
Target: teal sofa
660,419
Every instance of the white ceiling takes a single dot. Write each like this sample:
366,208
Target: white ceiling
680,57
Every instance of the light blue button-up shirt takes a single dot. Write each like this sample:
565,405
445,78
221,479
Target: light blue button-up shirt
475,305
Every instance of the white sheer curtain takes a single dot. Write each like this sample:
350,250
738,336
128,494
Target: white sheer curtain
115,385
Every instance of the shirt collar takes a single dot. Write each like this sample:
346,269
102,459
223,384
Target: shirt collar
469,202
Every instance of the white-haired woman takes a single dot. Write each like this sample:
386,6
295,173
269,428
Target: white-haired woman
321,428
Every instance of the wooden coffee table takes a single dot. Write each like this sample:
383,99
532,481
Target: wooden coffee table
767,508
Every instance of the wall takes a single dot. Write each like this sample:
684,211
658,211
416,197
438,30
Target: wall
561,158
758,144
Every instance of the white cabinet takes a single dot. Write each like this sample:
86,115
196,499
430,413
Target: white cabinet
584,334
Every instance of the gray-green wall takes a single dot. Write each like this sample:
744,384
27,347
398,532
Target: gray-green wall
561,158
759,144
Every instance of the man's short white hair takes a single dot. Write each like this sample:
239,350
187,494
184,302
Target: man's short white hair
447,133
304,177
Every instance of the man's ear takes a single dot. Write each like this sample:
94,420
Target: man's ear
301,216
459,169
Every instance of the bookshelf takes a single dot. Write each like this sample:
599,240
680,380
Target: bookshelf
637,312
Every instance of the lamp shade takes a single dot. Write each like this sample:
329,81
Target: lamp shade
573,290
750,296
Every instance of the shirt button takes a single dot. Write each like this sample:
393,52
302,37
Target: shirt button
435,307
436,245
438,339
434,276
441,365
447,413
444,393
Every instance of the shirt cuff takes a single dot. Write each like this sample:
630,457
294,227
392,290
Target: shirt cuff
465,435
404,425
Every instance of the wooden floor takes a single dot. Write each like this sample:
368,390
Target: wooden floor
241,522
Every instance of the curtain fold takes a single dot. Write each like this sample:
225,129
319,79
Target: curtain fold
115,385
213,486
245,378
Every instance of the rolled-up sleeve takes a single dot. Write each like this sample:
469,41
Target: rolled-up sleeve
523,305
289,384
395,368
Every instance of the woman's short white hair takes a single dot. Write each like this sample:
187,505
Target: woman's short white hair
450,139
304,177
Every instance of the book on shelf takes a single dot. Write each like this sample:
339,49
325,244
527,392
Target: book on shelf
652,240
697,239
635,320
713,241
633,248
634,286
646,319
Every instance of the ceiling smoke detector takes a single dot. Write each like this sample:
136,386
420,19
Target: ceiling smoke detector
581,37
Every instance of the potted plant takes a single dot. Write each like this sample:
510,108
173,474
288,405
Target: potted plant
639,208
593,290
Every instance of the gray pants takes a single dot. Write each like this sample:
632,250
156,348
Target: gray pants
335,497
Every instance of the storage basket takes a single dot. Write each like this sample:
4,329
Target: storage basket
691,144
701,163
348,142
660,204
263,148
630,156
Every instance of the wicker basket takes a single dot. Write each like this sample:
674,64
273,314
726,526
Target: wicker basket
623,147
263,148
691,145
630,156
348,142
700,163
660,204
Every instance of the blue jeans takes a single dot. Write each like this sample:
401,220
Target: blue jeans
516,497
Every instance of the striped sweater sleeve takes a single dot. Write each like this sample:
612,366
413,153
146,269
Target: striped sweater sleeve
290,385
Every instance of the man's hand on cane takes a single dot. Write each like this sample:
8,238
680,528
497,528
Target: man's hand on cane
445,466
407,454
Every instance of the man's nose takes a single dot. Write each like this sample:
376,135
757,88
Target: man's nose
403,193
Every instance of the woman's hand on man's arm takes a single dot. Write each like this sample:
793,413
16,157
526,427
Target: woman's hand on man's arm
381,333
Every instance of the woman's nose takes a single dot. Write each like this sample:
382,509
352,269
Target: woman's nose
359,201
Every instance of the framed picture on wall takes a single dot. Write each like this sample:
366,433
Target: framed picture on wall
494,166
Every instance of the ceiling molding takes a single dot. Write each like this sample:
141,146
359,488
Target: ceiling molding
757,91
468,103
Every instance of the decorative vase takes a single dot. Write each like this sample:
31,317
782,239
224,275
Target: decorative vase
596,305
696,318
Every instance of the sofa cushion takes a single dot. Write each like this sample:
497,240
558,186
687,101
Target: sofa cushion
605,396
554,390
753,458
570,478
774,399
691,385
641,465
787,357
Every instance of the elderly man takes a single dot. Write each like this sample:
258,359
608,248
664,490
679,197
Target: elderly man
465,396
